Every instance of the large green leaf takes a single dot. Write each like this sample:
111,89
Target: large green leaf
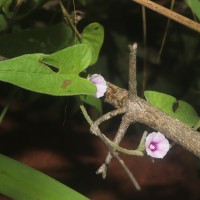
36,72
21,182
177,109
44,40
194,6
93,36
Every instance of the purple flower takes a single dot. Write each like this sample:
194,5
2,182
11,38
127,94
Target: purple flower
100,83
156,145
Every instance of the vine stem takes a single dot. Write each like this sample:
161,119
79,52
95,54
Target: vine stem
85,114
170,14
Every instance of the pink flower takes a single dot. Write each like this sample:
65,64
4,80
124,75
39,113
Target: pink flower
100,83
156,145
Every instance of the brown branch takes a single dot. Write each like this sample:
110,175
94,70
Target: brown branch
170,14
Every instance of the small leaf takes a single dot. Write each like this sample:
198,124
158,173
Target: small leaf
93,36
177,109
186,113
93,101
162,101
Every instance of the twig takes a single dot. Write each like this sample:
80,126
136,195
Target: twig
69,20
137,152
95,129
119,136
107,142
170,14
144,22
132,71
125,123
132,178
165,33
3,113
84,111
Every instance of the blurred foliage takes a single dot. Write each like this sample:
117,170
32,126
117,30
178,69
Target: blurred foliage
44,40
21,182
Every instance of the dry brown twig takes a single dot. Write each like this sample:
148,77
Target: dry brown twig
170,14
135,109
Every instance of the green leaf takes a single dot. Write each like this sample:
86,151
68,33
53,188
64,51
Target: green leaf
36,72
93,101
194,6
71,60
186,113
21,182
93,36
162,101
177,109
44,40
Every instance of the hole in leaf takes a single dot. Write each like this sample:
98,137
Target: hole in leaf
50,66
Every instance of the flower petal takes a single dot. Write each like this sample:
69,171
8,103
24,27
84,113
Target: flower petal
156,145
100,83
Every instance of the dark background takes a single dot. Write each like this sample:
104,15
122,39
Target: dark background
50,134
